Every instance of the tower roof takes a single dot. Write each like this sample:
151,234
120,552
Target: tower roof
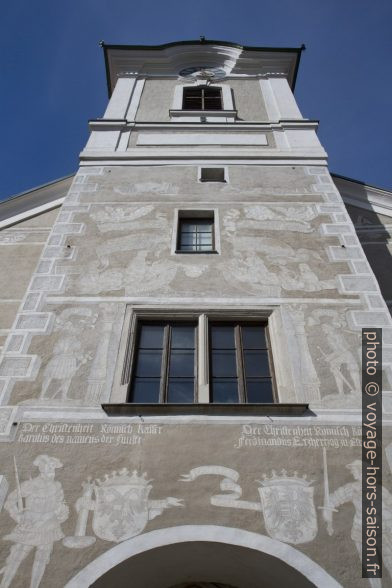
171,58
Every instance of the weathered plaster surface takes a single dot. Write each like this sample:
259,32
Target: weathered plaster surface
280,232
156,100
21,246
226,489
248,100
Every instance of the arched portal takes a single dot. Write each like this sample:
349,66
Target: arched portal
202,554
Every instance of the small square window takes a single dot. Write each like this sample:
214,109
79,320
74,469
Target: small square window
195,232
212,174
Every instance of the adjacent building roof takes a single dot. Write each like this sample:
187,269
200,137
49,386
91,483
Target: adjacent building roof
33,202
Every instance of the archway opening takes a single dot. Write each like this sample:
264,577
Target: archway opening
203,564
198,554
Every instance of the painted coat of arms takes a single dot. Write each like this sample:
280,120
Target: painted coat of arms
288,508
286,501
121,508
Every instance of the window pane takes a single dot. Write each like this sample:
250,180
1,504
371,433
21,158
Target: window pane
212,104
188,238
204,238
183,337
253,337
256,364
204,224
151,336
148,363
196,234
193,104
188,247
180,390
212,174
259,390
192,92
212,99
188,226
181,363
224,391
192,99
224,364
145,390
222,337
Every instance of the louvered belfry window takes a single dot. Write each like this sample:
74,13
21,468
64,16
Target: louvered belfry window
202,98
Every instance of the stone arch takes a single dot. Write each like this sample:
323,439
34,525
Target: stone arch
148,560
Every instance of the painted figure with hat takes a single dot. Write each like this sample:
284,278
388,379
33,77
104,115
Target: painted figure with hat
37,505
352,492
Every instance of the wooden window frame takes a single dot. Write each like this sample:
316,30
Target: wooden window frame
137,316
239,354
166,349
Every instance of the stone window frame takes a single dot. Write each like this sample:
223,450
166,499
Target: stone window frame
281,370
227,98
227,114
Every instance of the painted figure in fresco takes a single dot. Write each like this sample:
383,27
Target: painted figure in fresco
37,505
352,492
67,359
340,357
67,355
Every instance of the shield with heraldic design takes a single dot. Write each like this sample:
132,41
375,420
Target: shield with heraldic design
121,509
288,508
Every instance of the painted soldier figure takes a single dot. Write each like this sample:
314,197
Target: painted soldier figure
38,508
352,492
67,359
340,357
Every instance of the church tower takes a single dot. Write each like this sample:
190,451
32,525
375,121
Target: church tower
181,387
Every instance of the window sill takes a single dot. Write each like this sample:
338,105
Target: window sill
130,409
197,252
203,116
183,112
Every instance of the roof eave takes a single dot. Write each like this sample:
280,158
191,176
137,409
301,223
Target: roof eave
106,48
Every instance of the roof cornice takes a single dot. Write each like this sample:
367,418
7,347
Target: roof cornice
170,58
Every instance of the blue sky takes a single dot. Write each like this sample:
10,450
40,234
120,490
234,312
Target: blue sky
53,76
